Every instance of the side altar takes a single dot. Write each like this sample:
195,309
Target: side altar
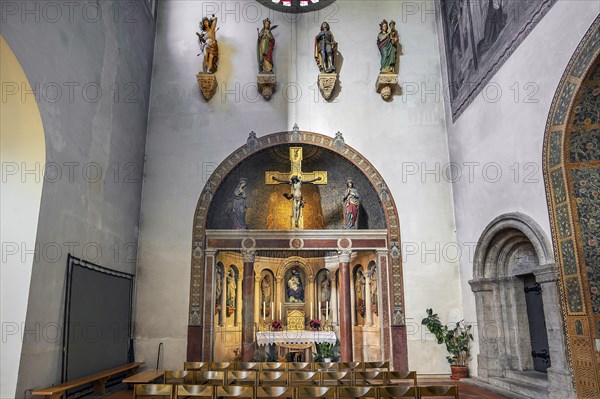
296,224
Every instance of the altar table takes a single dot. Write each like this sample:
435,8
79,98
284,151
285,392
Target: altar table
295,341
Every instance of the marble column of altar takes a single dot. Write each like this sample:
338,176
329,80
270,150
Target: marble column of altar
248,308
345,306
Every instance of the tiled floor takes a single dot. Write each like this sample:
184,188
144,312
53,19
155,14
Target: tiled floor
466,390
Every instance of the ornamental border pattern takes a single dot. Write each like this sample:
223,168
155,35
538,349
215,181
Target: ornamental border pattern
575,297
254,145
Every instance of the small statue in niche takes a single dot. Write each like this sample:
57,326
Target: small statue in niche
218,287
208,44
231,288
325,48
295,289
265,287
325,289
359,291
387,41
351,203
373,283
238,211
265,47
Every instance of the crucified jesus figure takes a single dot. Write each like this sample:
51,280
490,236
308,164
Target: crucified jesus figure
296,195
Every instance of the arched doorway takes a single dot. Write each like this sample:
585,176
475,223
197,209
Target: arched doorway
324,243
572,179
515,282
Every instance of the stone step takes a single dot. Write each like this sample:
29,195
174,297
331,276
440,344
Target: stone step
521,388
533,378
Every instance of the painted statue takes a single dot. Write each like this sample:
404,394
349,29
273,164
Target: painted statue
231,288
373,284
387,41
238,211
325,289
351,202
295,290
265,287
296,195
208,44
325,48
265,47
359,291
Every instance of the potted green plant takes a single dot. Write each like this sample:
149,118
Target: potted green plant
324,352
457,341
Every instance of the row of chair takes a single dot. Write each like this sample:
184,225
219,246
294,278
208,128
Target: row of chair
246,392
287,366
289,378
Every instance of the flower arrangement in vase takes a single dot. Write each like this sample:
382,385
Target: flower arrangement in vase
315,325
276,325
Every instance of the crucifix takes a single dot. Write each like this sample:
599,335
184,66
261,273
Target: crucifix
295,178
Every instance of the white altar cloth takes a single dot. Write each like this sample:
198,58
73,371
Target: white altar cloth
294,337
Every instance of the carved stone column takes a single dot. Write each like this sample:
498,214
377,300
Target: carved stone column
345,306
334,316
258,303
248,310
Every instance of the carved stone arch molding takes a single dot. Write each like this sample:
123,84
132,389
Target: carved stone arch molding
511,252
572,175
203,257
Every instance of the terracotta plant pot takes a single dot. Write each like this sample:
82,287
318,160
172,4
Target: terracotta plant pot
459,372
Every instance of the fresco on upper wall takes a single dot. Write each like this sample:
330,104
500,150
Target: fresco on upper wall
479,36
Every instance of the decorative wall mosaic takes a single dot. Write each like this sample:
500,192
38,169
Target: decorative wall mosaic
586,184
572,177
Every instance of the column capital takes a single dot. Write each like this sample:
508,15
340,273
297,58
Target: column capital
248,255
344,255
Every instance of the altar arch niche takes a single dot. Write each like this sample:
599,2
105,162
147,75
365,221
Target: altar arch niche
322,244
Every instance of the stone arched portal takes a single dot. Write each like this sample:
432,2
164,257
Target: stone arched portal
572,180
515,282
384,242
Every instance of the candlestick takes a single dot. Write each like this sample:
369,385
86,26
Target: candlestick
264,310
311,311
326,310
279,310
272,310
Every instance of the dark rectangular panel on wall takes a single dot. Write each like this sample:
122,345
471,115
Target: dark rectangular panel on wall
98,317
479,36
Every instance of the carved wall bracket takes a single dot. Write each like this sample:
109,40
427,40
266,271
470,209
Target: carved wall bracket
386,83
267,82
208,84
327,82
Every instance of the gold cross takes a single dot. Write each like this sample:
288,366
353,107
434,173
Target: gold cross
296,160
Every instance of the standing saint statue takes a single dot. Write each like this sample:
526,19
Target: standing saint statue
325,48
296,195
387,41
238,211
231,288
295,289
208,44
265,287
351,203
265,47
359,292
325,289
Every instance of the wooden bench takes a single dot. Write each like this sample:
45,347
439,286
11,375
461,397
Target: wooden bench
98,379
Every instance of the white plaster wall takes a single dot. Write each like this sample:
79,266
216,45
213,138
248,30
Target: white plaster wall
102,132
187,137
509,131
